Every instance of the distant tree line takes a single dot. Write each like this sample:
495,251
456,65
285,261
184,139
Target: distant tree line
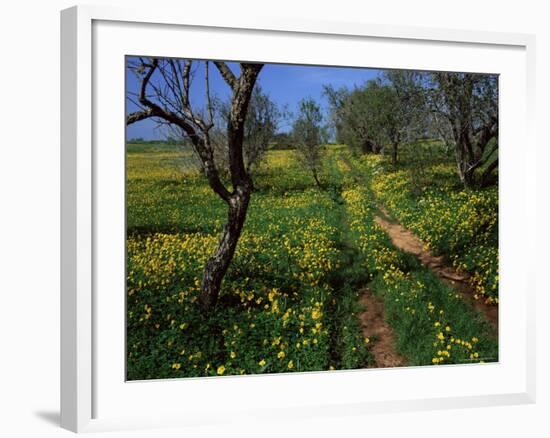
399,107
168,140
460,109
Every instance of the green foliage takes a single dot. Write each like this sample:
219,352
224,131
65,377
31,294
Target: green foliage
280,308
309,136
382,111
468,105
407,106
291,297
432,323
372,116
459,223
282,140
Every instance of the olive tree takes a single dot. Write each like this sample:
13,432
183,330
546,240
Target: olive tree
406,101
467,106
385,116
308,134
164,95
352,118
369,118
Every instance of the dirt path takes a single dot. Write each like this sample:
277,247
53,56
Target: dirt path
406,241
375,327
373,320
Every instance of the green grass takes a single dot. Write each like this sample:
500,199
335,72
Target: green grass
429,200
290,299
278,310
432,323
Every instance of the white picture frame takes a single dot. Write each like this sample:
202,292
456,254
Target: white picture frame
87,388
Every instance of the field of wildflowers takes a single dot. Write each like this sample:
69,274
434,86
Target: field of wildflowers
432,323
278,310
461,224
290,299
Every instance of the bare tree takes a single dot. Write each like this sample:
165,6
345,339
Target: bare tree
259,129
167,100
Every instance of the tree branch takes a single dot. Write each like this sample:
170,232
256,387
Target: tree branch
227,74
138,115
205,153
488,177
207,91
235,126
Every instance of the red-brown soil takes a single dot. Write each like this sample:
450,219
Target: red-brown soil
405,240
379,332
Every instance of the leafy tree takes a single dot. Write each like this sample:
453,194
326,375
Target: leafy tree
337,115
369,117
309,135
406,104
467,108
351,119
385,116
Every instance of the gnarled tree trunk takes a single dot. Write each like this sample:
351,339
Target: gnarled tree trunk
470,106
217,265
172,105
395,146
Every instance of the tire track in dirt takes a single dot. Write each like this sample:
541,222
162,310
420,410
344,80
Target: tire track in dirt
376,329
372,319
373,322
406,241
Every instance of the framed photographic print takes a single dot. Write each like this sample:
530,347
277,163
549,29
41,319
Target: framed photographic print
291,218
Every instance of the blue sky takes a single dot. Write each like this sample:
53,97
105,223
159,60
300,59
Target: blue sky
285,84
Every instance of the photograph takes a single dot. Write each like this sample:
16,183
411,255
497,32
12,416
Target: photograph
301,219
286,218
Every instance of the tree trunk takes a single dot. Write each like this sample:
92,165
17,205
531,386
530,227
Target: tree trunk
370,147
464,156
316,178
217,265
490,177
394,154
176,110
466,174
